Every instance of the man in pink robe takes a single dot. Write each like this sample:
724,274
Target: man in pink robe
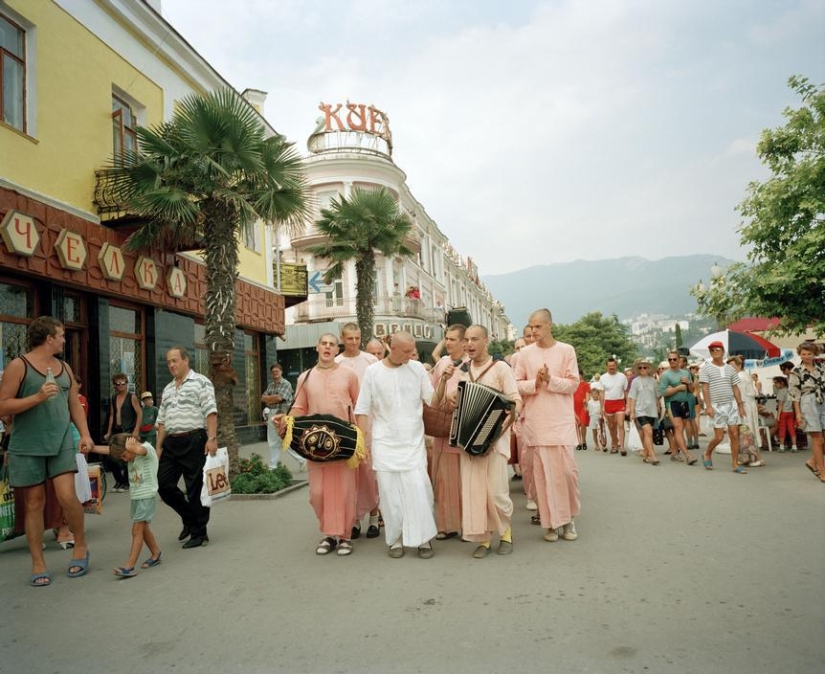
367,501
329,388
525,453
444,460
485,489
548,375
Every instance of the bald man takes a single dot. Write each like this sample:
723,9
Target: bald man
393,392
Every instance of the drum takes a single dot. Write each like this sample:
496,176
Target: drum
323,438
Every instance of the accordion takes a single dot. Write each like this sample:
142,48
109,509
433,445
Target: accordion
479,415
323,438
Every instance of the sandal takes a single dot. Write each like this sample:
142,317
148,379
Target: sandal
692,461
535,519
40,579
326,546
152,561
81,566
344,548
741,470
811,468
125,572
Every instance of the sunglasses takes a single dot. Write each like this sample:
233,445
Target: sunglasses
120,383
643,367
672,360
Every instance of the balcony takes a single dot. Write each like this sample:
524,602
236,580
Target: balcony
312,237
116,215
320,308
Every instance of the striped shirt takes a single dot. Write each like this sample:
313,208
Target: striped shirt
185,408
720,381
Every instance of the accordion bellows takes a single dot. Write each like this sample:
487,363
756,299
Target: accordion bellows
323,438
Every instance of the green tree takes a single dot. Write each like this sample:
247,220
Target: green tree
358,228
595,338
785,227
677,335
206,176
500,347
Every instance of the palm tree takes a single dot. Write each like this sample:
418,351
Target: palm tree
369,221
206,176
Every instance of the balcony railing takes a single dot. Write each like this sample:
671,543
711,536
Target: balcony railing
323,308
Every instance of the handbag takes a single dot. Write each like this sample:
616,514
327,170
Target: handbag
437,421
216,487
658,434
7,529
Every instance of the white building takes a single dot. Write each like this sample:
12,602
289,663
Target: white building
352,147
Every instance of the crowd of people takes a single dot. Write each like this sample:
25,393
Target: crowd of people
419,489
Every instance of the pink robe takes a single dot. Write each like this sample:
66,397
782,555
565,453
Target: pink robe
332,486
485,490
366,484
525,453
549,429
443,463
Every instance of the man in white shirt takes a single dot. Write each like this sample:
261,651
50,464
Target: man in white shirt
614,404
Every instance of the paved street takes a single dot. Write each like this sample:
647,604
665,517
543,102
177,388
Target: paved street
677,569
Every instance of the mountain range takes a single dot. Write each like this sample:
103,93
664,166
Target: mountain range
625,286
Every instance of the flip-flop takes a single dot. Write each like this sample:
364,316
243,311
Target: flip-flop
152,561
707,464
82,566
692,461
741,470
46,577
125,572
815,471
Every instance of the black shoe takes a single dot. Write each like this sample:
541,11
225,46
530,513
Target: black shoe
516,477
578,447
584,446
185,533
373,531
356,533
196,542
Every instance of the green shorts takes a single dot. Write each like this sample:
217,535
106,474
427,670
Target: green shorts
28,471
143,509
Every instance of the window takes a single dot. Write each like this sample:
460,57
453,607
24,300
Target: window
12,74
252,236
17,309
336,297
126,344
124,126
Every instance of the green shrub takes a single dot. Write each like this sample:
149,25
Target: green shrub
257,478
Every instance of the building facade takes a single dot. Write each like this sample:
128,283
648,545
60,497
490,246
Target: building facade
351,147
78,77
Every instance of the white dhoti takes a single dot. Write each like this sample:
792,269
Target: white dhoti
406,506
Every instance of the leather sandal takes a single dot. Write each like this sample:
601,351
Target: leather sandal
326,546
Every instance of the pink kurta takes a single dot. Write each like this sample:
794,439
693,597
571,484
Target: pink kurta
332,486
366,484
549,428
525,453
485,490
444,462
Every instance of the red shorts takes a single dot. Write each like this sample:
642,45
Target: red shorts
614,406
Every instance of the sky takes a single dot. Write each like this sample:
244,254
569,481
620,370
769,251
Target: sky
536,132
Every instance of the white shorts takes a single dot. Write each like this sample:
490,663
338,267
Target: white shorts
813,413
726,414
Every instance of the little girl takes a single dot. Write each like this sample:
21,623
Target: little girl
593,409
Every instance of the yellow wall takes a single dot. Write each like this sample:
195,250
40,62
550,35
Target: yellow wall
76,73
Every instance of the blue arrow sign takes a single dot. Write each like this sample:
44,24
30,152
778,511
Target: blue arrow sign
316,283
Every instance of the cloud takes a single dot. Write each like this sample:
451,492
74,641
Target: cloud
542,131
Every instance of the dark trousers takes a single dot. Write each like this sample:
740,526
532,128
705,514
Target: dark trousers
184,456
118,469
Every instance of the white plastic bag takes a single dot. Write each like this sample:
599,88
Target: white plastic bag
82,484
216,486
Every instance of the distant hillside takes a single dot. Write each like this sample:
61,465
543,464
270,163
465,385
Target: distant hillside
626,286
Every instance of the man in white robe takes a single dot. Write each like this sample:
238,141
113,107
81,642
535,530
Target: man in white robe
393,391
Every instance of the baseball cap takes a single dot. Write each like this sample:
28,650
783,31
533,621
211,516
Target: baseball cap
716,345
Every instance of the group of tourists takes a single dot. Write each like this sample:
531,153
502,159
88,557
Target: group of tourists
41,407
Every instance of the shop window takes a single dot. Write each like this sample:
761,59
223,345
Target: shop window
252,361
12,74
126,345
17,309
124,126
199,361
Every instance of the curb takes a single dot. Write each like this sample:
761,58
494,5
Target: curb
269,497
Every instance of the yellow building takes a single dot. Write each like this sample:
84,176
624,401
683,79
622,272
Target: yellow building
77,79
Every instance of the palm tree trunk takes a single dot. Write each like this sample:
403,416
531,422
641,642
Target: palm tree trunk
364,284
221,257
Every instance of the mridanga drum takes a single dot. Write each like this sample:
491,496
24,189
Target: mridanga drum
323,438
